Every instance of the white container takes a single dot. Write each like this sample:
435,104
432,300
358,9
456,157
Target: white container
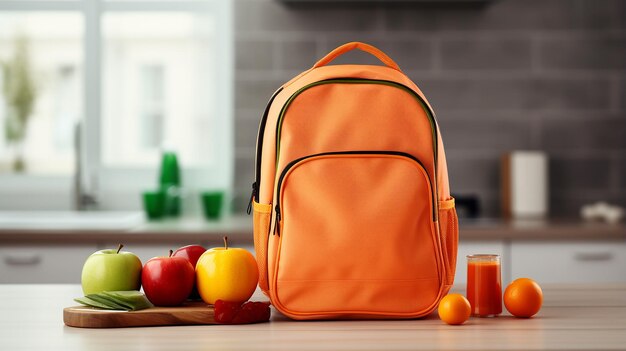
525,184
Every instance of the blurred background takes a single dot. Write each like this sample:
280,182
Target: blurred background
104,86
93,91
501,76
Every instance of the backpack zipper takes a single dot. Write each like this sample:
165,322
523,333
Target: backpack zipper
429,113
360,152
259,147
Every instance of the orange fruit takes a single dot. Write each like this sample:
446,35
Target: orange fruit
454,309
226,273
523,298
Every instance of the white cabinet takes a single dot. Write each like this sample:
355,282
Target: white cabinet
569,262
59,264
43,264
478,247
545,261
551,261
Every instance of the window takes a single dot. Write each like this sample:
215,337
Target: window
152,106
41,57
132,77
154,85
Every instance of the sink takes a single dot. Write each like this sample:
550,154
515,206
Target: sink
70,220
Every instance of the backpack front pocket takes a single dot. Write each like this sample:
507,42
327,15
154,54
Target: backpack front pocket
356,237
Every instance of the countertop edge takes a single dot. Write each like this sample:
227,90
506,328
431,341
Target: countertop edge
239,228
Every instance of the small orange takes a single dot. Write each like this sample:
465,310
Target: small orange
454,309
523,297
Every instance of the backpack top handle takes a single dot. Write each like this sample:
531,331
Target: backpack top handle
361,46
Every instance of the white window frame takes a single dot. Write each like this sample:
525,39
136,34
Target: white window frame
118,188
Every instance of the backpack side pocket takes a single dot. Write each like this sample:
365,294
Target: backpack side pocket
449,230
262,214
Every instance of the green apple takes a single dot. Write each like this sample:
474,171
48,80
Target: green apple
111,270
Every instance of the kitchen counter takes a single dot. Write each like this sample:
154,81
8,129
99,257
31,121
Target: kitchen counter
589,317
239,228
487,229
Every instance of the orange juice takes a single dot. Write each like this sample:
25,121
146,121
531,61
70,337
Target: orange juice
484,285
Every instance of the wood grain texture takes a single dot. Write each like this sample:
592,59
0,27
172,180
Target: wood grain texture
190,314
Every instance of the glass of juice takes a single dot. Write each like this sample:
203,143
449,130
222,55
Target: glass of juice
484,285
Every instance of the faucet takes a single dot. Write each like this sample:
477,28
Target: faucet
83,200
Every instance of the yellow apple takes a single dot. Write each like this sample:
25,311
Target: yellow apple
226,273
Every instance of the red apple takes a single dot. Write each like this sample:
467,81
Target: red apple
168,281
192,253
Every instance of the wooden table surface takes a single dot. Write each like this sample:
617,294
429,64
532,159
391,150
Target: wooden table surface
573,318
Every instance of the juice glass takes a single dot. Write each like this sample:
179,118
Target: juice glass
484,285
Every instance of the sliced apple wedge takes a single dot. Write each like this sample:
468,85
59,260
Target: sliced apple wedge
93,303
131,300
105,300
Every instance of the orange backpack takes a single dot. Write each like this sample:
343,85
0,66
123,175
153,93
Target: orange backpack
352,210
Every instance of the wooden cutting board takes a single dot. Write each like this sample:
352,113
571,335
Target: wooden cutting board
192,313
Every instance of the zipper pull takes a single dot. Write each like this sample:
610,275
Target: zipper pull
277,223
249,210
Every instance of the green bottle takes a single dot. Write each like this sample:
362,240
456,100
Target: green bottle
170,183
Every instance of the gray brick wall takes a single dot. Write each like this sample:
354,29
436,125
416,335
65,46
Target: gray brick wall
503,75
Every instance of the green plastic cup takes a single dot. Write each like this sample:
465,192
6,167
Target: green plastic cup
154,204
212,203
